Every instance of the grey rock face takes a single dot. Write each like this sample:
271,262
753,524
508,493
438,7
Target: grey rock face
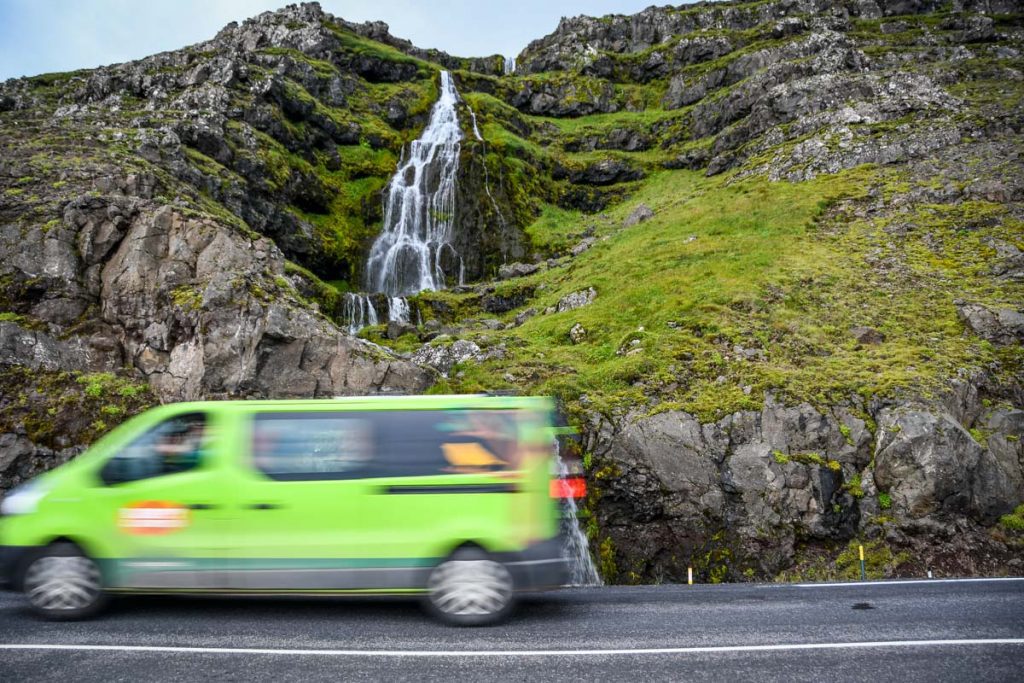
929,463
744,471
40,351
789,472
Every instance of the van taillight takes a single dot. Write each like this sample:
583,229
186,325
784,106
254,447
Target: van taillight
572,487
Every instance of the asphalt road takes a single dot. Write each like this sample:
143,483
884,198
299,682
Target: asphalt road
906,631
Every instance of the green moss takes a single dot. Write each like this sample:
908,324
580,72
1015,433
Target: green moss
853,486
884,501
845,431
187,297
1013,521
606,562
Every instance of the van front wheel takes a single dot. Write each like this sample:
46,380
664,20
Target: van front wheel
61,583
470,589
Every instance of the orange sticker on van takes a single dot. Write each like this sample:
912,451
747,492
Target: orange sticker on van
153,517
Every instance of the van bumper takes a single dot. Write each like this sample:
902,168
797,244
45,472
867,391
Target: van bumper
540,566
10,559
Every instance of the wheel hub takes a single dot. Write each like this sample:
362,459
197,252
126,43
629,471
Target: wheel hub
470,587
62,583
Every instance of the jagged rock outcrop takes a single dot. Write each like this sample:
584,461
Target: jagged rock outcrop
789,474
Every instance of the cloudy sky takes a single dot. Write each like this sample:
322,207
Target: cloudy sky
39,36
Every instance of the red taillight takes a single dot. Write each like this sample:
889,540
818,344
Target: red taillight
572,487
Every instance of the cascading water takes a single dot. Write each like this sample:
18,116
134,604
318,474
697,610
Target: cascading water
420,207
398,309
510,65
487,176
577,548
358,311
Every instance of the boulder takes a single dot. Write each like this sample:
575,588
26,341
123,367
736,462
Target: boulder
570,302
444,356
640,214
508,271
928,463
1000,326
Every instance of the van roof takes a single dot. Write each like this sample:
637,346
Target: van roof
391,401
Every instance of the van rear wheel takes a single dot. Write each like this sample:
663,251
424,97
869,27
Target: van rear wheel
61,583
470,588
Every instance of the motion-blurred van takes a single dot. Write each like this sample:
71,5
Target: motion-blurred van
450,497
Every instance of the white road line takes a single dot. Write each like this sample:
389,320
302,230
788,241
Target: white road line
516,653
901,582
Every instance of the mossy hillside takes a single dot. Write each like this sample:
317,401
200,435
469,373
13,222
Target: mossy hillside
777,268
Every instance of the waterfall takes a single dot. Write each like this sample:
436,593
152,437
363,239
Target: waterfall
510,66
487,179
398,309
358,312
577,548
420,207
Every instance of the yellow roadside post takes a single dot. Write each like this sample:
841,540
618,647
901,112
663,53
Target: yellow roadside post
863,574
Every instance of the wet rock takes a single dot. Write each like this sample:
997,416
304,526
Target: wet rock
397,329
502,303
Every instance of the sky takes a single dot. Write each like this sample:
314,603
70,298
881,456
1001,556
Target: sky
40,36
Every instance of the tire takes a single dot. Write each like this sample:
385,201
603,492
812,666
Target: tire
63,584
470,588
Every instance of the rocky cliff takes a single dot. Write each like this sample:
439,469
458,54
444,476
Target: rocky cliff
767,254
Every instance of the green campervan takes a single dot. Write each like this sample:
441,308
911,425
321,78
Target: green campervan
451,497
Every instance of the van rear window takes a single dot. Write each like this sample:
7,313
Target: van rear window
359,445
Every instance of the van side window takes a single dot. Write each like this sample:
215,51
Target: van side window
385,443
297,446
173,446
424,442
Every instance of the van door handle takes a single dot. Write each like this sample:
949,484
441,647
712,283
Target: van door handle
264,506
202,506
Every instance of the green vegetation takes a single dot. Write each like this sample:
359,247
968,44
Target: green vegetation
187,297
57,409
1015,520
842,563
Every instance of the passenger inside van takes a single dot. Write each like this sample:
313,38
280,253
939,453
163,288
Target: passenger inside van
180,449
